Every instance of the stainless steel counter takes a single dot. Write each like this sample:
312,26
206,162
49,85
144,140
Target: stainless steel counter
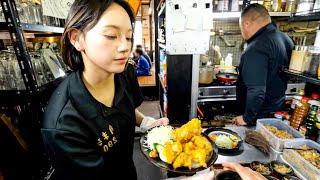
249,153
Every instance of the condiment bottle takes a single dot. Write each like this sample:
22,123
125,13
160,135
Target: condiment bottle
299,113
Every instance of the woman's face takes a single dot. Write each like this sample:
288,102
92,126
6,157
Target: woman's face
108,44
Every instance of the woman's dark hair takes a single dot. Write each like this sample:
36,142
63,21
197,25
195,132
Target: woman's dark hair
83,16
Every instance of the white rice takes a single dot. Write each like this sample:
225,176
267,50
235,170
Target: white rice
160,135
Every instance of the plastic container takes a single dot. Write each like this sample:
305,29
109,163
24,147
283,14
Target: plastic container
300,112
297,61
294,159
228,60
275,142
206,75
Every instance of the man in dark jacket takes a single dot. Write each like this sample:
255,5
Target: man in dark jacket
261,86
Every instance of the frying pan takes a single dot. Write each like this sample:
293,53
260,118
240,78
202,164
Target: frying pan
227,77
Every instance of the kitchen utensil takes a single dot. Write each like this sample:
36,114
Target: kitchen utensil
227,77
302,149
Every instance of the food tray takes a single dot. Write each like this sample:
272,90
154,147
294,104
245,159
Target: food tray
308,170
275,142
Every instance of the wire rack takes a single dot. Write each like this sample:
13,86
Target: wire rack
227,36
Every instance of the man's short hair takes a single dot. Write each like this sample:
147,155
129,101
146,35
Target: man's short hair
138,46
254,12
139,51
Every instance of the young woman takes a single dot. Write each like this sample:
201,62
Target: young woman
89,123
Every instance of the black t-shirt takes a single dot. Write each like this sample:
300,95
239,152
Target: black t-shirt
84,138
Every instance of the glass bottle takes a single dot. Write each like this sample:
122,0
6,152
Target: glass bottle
311,129
276,5
300,112
291,6
267,4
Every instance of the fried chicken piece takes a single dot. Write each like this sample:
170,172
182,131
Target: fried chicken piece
199,158
171,151
183,160
202,143
187,131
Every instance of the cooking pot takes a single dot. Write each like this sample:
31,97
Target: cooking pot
227,77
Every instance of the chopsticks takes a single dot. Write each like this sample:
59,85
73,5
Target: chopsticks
303,149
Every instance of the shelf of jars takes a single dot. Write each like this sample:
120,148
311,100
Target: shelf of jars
302,77
225,15
312,15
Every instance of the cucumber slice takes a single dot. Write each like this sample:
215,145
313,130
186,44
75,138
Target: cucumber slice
160,149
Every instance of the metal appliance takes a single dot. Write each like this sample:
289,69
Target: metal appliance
218,101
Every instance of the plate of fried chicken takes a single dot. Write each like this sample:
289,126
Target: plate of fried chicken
183,150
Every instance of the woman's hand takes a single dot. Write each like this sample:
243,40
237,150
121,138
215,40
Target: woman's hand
244,172
149,122
162,121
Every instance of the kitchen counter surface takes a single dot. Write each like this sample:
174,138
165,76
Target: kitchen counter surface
249,153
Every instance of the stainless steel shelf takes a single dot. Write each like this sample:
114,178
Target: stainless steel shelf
34,28
303,77
235,15
305,16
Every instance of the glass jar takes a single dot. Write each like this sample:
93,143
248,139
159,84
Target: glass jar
276,5
267,4
313,62
291,6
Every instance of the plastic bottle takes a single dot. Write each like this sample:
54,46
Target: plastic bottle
228,60
299,113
